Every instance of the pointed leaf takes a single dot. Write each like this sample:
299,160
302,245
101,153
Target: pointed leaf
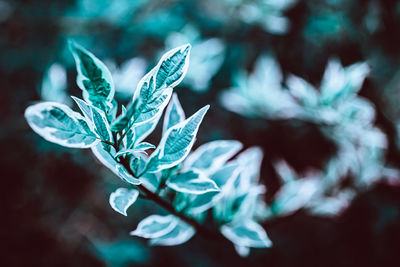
172,67
155,226
212,156
176,143
192,182
122,199
101,125
126,176
181,233
174,113
93,78
247,233
57,123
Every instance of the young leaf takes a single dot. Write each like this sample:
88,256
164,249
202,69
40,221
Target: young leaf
172,67
122,199
247,233
57,123
180,234
144,146
144,130
101,125
174,113
122,121
155,226
242,251
105,157
151,100
126,176
212,156
192,182
176,143
93,78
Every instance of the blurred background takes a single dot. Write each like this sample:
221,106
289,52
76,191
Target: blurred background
55,199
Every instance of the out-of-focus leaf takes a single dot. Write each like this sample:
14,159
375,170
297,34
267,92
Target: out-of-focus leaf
192,182
122,198
155,226
247,233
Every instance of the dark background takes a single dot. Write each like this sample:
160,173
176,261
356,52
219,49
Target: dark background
55,209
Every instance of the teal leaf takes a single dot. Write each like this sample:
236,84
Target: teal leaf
174,113
95,118
340,83
227,174
54,84
144,146
201,203
176,143
93,78
172,67
294,195
57,123
180,234
192,182
122,121
124,152
101,125
126,176
246,233
151,180
306,94
122,199
212,156
140,148
242,251
151,100
85,108
142,131
105,157
155,226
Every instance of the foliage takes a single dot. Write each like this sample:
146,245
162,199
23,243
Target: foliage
187,185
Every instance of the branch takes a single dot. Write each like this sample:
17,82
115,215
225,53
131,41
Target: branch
170,208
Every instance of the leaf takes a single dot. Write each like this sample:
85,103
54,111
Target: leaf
294,195
95,118
101,125
242,251
122,121
54,84
174,113
176,143
192,182
201,203
94,79
126,176
105,157
122,199
302,90
172,67
140,148
151,100
339,83
57,123
212,156
142,131
144,146
181,233
155,226
246,233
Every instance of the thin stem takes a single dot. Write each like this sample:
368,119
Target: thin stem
170,208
